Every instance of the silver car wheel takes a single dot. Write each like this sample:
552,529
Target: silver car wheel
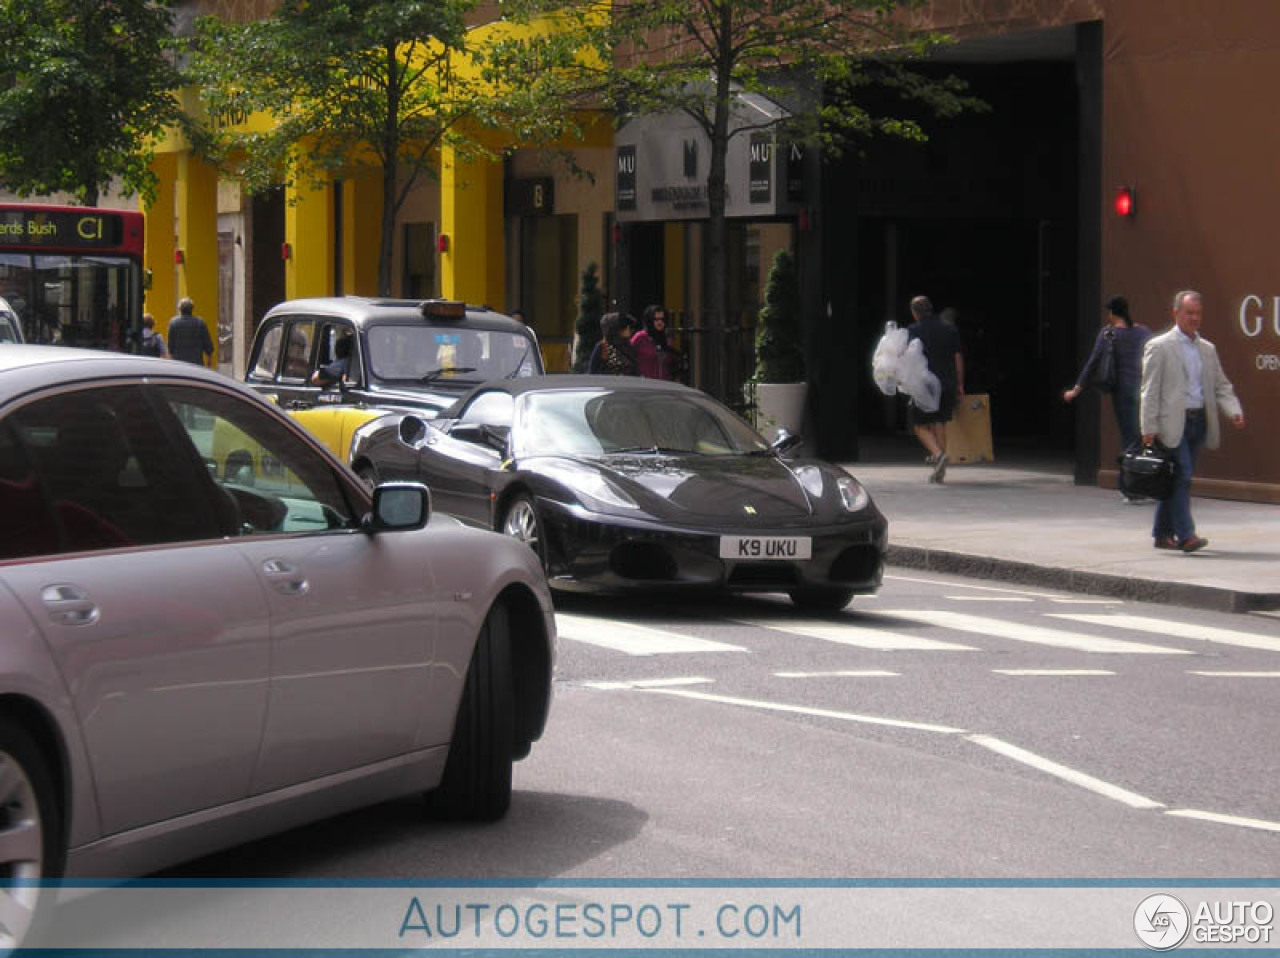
21,852
521,522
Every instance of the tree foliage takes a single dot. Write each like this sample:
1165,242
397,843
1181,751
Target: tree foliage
779,340
85,87
586,327
654,57
345,85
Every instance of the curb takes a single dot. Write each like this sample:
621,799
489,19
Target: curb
1076,580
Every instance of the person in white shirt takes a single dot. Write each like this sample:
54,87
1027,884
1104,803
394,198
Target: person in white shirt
1183,390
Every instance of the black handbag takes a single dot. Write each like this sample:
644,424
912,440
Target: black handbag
1149,470
1104,374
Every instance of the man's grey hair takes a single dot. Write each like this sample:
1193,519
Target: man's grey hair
1185,294
185,305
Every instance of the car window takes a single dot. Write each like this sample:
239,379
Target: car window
29,528
268,353
111,472
444,354
277,481
490,408
297,351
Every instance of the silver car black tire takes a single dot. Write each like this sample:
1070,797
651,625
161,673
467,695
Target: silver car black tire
521,522
30,836
819,599
476,784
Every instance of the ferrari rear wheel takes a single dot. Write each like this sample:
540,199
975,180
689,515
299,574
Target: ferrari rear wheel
819,599
521,522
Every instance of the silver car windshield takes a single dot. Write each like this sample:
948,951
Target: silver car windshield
425,354
602,422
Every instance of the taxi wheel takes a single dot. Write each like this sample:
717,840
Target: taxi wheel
477,774
30,836
521,522
818,599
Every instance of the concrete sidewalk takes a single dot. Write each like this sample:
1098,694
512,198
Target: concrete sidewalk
1028,522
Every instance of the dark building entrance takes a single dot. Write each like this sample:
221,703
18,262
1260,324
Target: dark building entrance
983,218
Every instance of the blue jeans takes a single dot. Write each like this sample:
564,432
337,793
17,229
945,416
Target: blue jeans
1173,515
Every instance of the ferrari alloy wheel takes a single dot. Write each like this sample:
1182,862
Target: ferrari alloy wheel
29,835
521,522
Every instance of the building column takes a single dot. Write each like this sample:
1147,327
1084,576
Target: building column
472,226
196,220
160,239
308,236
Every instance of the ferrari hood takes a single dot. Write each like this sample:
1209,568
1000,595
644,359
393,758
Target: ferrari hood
711,487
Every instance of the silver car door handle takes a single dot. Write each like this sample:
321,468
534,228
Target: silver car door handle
284,578
69,605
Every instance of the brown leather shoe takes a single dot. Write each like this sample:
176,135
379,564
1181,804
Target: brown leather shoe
1194,544
1166,542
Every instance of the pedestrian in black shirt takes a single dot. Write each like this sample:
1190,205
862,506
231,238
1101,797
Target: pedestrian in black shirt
189,338
941,342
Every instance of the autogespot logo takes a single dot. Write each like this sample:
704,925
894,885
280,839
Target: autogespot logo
1161,922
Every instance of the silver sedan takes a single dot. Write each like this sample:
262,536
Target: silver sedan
213,631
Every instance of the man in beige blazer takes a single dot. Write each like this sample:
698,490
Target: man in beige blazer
1183,388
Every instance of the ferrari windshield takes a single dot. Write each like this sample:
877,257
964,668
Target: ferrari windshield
423,354
601,422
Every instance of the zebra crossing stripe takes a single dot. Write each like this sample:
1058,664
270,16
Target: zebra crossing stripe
1021,632
633,639
1177,630
858,636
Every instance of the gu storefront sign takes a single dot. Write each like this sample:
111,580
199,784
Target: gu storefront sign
1259,318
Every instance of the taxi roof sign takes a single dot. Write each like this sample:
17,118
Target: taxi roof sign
443,309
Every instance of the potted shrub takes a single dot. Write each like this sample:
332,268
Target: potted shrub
779,378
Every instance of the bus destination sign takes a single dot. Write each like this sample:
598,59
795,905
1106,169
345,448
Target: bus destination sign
60,228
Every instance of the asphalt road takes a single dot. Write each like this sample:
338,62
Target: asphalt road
945,728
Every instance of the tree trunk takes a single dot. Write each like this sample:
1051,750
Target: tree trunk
716,318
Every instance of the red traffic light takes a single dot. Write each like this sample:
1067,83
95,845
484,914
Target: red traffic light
1126,201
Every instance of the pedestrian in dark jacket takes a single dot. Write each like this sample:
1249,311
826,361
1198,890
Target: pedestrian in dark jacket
613,355
1128,339
188,335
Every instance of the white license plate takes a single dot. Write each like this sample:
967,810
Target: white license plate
779,548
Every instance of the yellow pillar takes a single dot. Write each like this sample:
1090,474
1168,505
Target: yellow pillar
160,242
308,229
471,218
196,217
362,233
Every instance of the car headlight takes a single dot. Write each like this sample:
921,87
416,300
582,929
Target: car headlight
852,495
590,485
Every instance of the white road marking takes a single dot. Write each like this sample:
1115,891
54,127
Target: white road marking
649,683
1236,675
1053,672
988,598
633,639
839,673
858,636
1069,600
1035,634
1179,630
1106,789
961,585
1259,823
806,710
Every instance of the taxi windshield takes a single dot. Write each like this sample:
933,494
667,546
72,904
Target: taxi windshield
423,355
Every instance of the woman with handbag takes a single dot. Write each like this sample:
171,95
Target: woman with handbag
613,355
1115,366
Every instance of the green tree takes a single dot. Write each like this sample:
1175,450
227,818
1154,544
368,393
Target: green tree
654,57
361,83
779,341
85,88
586,327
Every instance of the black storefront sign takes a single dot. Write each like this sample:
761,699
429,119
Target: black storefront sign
534,196
625,179
761,168
795,179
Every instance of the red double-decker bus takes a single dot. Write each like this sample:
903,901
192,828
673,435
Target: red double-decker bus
73,274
